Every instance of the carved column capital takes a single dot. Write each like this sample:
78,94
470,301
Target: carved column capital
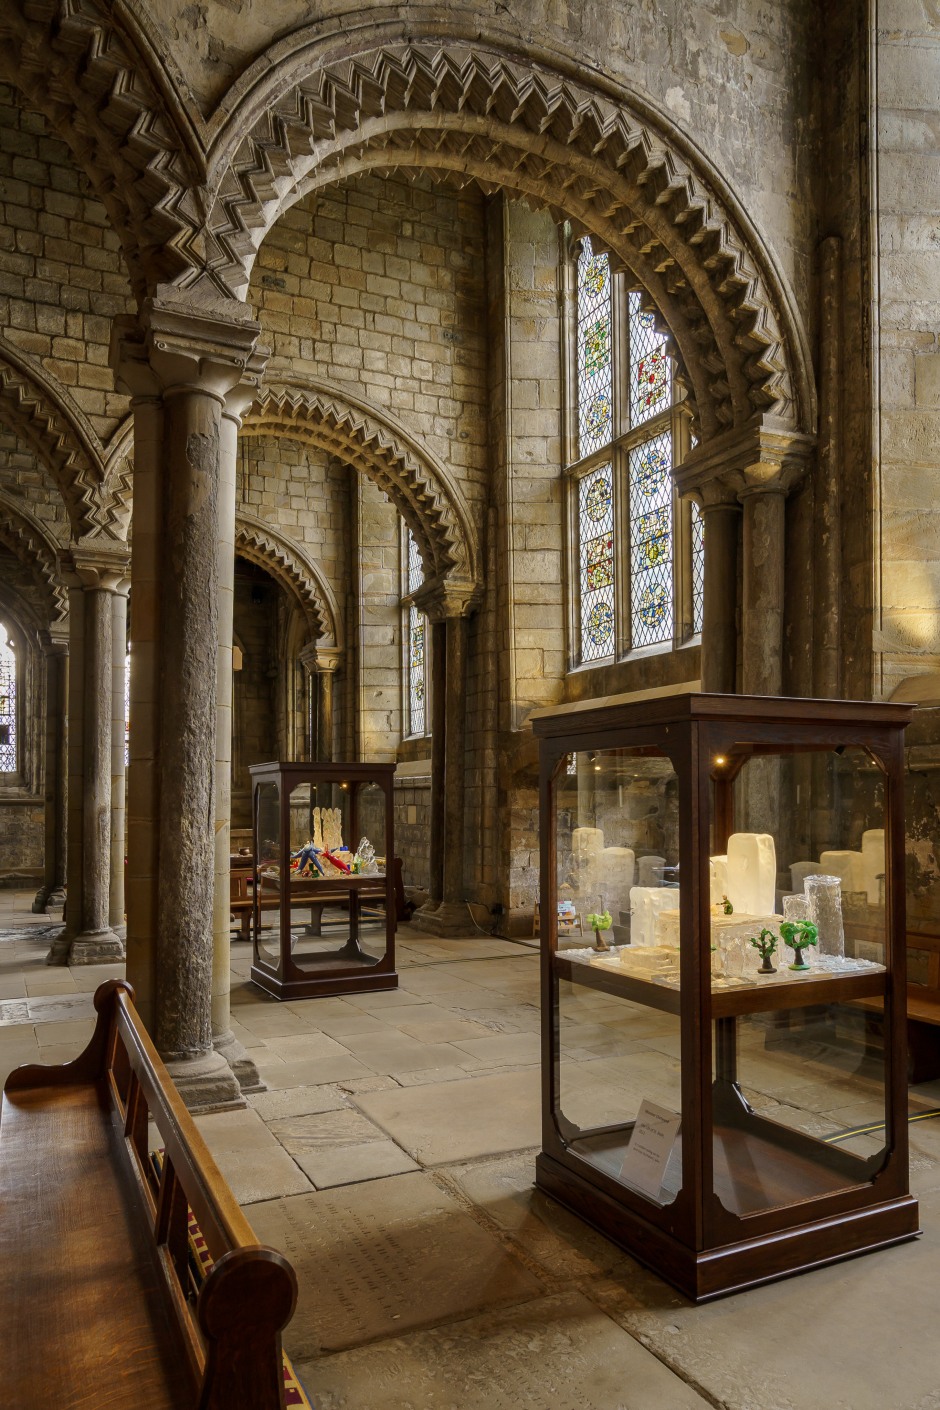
446,597
320,660
96,564
761,457
55,641
188,340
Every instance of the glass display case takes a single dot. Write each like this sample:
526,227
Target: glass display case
711,1099
324,855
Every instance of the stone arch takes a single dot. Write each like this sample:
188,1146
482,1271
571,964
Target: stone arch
33,405
118,488
93,70
375,443
588,154
290,566
29,542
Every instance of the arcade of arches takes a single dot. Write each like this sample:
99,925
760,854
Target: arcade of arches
320,434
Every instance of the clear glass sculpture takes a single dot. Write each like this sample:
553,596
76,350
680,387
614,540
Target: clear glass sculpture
824,903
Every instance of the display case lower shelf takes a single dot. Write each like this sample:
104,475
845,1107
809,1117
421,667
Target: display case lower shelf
814,988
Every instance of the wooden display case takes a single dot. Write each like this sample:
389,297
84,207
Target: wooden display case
759,1081
331,934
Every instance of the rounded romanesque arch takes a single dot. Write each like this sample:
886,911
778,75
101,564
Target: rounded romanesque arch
376,444
32,546
92,70
474,113
287,563
33,405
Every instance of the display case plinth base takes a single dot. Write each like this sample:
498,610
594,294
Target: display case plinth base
316,987
718,1272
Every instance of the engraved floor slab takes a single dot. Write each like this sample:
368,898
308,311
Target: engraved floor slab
376,1259
558,1353
448,1121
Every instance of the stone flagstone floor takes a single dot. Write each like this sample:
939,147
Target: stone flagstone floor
392,1158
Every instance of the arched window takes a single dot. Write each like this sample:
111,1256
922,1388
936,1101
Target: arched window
8,744
639,554
416,638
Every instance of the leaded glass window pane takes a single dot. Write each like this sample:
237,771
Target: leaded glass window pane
594,351
417,670
650,369
596,543
417,628
415,567
698,567
651,589
7,704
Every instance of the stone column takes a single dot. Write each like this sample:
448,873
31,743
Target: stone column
223,1039
721,514
308,660
94,570
51,894
328,660
763,553
118,721
447,606
180,362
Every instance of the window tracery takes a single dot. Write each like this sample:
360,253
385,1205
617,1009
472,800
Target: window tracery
416,627
8,745
632,563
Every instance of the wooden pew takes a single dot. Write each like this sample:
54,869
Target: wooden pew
240,898
923,1010
100,1304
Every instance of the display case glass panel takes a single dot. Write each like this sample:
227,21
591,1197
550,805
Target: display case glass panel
324,917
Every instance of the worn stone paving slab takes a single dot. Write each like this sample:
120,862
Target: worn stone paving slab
295,1101
308,1072
504,1191
346,1127
863,1329
392,1051
450,1121
503,1048
349,1165
255,1165
556,1353
376,1259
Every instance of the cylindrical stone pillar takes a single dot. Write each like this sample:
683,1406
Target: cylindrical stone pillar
94,573
325,716
51,894
454,765
180,362
762,596
719,597
118,762
438,675
223,1039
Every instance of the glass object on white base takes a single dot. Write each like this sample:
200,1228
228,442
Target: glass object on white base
824,902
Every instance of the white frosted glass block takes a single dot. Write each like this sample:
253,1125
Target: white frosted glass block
873,863
752,872
799,871
666,927
718,876
615,871
587,841
824,899
731,936
645,870
645,904
796,907
846,865
619,862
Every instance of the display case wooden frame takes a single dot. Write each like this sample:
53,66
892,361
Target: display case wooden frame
347,969
695,1242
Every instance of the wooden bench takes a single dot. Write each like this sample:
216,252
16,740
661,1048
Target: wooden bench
240,899
100,1304
923,1012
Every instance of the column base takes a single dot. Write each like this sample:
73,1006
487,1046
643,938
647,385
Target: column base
48,898
90,947
206,1082
450,918
239,1060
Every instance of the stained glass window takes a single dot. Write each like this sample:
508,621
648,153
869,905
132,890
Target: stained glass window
594,351
7,703
650,372
417,629
651,588
596,539
698,566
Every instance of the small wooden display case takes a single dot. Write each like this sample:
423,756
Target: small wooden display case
334,934
764,1077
